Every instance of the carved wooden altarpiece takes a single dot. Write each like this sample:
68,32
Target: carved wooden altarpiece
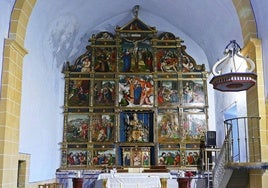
135,98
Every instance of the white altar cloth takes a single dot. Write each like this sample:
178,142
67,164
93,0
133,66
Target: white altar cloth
134,182
160,175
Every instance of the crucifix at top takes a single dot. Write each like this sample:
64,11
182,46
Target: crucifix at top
136,35
135,51
136,10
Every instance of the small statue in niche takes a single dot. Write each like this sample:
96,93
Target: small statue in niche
136,130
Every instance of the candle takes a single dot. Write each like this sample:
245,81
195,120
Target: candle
78,174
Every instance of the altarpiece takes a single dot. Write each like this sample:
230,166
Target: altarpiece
135,98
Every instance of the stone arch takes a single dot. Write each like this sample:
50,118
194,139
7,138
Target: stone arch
247,19
10,102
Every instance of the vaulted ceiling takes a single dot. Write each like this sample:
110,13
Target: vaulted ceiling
64,27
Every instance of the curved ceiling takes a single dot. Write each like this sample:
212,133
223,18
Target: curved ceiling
64,27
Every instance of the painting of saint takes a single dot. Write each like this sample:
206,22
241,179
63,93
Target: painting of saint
127,158
126,61
137,158
145,158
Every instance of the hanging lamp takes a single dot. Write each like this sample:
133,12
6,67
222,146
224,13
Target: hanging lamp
234,72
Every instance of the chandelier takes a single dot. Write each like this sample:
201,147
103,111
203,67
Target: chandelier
233,72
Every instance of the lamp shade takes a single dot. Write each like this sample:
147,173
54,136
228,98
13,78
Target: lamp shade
233,72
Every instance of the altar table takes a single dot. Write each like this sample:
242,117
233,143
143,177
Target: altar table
126,180
134,182
160,175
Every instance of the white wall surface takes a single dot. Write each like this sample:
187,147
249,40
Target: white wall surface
42,98
223,102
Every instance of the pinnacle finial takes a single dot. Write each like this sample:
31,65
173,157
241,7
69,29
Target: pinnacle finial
136,10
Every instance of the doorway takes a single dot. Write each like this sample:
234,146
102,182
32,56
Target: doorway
231,113
21,176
